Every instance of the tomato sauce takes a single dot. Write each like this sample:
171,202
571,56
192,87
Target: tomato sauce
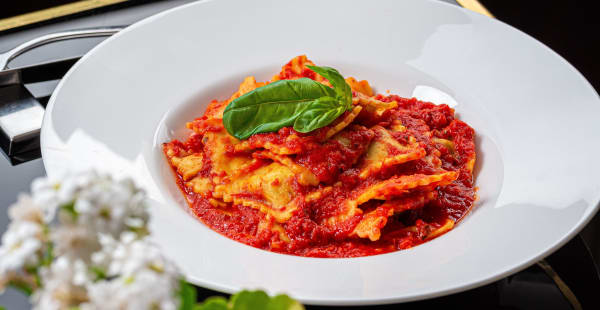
334,164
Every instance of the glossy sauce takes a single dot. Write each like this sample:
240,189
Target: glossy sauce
332,163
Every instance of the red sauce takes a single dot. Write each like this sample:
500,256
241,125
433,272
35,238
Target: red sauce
335,163
328,159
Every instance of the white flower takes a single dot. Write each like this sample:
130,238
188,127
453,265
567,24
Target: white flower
45,194
20,248
130,255
75,241
22,242
140,277
63,285
26,210
101,261
94,201
108,205
147,289
111,207
61,190
51,193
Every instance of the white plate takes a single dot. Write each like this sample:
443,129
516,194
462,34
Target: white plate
536,119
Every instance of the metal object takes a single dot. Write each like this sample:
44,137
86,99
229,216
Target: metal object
46,71
562,286
6,57
20,113
20,119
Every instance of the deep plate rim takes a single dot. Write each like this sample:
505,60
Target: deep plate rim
458,285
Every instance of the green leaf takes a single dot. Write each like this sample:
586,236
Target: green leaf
253,300
303,103
271,107
213,303
48,255
70,209
98,272
22,286
342,89
319,113
250,300
283,302
187,296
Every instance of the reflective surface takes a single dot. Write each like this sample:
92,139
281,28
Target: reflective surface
20,119
527,289
15,180
116,106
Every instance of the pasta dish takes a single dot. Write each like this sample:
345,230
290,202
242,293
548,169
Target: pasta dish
385,173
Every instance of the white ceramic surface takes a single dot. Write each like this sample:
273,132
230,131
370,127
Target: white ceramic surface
536,119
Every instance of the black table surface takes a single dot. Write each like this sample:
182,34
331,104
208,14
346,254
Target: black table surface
573,267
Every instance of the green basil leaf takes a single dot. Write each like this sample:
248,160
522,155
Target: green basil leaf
319,113
271,107
342,89
187,295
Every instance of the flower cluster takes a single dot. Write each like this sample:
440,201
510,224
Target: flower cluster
81,242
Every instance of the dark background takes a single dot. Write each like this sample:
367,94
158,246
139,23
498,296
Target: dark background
18,7
569,27
566,26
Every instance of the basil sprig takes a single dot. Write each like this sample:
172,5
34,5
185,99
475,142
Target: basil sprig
305,104
342,89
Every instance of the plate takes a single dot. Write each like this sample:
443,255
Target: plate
535,116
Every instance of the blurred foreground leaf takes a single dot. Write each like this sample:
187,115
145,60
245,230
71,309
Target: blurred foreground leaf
248,300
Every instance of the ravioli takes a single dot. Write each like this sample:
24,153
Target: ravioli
362,87
268,189
303,174
387,151
373,106
283,142
188,166
224,165
388,189
388,174
374,220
